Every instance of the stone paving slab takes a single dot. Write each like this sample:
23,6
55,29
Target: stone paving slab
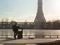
31,41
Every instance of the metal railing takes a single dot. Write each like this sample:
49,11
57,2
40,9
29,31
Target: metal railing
5,33
34,36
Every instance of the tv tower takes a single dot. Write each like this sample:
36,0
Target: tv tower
40,16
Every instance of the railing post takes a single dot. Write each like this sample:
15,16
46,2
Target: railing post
43,36
57,36
50,36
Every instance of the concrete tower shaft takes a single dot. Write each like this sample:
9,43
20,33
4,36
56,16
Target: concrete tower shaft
40,16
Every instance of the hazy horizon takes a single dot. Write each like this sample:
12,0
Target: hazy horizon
21,10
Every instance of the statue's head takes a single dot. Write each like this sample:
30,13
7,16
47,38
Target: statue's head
13,23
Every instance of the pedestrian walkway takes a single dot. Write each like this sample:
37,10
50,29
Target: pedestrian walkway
29,41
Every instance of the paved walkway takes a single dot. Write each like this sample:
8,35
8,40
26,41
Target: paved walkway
25,41
29,41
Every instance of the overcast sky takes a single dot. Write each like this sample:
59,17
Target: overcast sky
21,10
